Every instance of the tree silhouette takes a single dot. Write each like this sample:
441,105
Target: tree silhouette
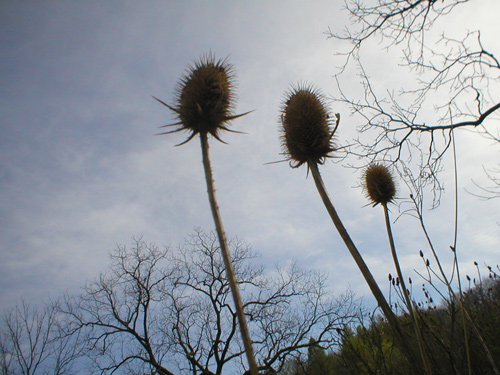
171,312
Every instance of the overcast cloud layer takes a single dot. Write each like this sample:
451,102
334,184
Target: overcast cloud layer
80,169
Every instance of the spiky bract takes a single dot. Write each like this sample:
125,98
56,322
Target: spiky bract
205,97
379,184
306,137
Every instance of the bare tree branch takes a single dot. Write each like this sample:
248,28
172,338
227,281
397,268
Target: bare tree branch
455,87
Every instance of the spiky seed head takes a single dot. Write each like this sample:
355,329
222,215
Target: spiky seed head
379,184
205,97
306,134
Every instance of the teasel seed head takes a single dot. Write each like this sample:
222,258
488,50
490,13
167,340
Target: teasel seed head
205,98
379,184
306,134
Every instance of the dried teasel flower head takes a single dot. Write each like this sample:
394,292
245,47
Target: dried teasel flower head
306,134
379,184
205,98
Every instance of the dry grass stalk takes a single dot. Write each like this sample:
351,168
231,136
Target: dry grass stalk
380,188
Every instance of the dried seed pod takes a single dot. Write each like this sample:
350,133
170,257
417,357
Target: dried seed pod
306,134
205,98
379,184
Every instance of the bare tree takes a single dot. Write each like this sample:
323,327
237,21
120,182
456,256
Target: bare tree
171,311
118,314
456,76
32,342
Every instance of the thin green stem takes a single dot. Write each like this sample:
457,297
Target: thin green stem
247,342
406,295
465,313
455,237
372,284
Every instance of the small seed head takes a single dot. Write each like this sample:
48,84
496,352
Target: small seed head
306,134
379,184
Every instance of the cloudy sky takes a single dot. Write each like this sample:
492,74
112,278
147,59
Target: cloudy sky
81,170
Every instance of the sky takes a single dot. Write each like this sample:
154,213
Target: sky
81,170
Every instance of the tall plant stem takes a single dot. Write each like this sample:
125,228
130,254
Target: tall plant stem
406,295
455,237
247,342
465,313
377,293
